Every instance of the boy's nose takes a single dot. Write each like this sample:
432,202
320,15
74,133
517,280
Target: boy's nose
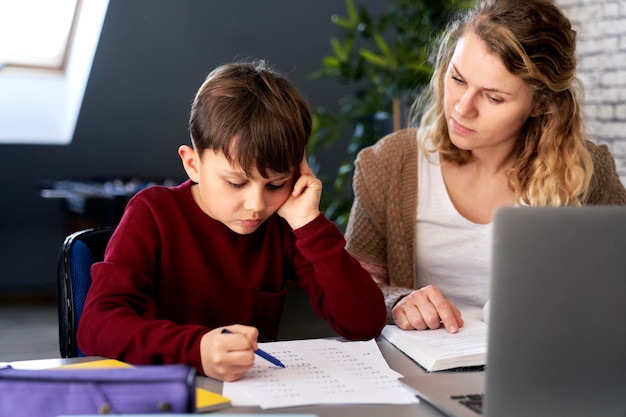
255,201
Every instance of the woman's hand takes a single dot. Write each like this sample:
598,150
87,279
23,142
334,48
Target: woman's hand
426,308
302,206
227,356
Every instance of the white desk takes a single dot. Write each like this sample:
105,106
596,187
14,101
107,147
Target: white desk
395,358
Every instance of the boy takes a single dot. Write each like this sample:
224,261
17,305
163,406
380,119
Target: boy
215,252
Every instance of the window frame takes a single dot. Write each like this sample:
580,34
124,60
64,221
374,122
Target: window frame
41,106
56,63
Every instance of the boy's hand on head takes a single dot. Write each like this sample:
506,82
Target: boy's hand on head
227,356
302,206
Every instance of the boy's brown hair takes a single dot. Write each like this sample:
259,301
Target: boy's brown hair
254,115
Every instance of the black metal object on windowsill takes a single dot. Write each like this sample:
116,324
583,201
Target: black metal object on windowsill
96,202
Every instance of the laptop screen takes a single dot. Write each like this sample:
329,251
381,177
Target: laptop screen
557,336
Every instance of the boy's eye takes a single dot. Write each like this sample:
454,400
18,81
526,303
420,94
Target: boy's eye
235,185
273,187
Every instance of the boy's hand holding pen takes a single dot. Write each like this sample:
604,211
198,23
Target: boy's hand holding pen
263,354
228,353
228,357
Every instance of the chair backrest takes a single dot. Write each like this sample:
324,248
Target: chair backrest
79,251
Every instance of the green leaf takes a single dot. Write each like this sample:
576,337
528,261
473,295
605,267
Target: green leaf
381,56
374,58
338,49
343,23
383,46
351,11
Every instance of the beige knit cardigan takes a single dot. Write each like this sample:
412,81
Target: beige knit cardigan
381,229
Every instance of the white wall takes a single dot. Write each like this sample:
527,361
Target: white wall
601,26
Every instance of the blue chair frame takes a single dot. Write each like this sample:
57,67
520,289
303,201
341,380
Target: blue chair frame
78,252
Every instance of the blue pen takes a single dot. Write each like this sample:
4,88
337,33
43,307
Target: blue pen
263,354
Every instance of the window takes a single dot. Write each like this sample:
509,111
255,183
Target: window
41,106
36,33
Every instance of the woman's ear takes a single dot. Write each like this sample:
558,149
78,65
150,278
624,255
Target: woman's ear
537,110
538,107
191,162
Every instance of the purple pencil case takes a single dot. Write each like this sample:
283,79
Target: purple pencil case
144,389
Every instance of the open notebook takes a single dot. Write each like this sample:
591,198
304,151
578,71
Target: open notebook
556,337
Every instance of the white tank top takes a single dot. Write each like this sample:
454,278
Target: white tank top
453,253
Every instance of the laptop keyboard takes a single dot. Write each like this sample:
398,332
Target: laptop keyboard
472,401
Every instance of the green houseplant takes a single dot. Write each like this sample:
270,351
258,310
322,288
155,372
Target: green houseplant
385,57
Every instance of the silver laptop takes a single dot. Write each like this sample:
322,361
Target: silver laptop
557,321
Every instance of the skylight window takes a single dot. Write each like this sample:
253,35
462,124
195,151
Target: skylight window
36,33
37,105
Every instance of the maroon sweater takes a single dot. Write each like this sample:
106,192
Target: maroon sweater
171,273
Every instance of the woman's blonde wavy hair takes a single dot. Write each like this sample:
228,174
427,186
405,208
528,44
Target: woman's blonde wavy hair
536,42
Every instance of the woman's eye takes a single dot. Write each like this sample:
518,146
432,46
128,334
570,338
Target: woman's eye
494,100
457,79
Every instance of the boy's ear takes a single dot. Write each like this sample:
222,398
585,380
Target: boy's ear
191,162
302,167
296,175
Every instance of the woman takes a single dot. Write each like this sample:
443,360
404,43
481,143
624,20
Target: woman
500,125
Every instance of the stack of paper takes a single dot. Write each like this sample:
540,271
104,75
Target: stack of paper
319,371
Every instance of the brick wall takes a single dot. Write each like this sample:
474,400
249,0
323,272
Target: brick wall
601,26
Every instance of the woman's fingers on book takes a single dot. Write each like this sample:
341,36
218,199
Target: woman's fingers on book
427,308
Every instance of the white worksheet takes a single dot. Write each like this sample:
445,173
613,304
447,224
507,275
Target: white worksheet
319,371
